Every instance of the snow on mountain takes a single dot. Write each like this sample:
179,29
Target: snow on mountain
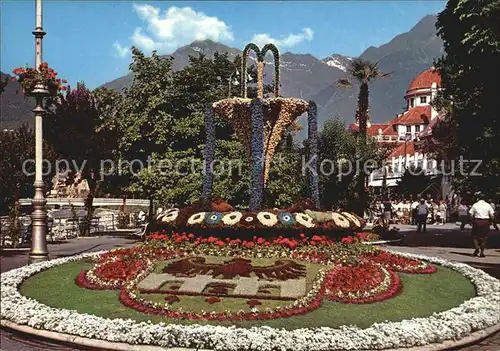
339,61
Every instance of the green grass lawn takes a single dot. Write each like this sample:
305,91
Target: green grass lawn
422,295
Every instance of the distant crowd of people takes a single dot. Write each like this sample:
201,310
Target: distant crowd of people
437,212
480,215
405,211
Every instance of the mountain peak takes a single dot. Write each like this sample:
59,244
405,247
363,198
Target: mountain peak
302,75
338,61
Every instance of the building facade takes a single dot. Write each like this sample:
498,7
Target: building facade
406,129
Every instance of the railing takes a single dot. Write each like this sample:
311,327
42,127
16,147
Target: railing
98,202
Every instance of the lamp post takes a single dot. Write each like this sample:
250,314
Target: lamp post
39,251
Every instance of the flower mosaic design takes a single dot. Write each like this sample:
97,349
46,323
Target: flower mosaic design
219,214
477,313
232,218
268,219
286,218
346,276
213,217
305,220
197,218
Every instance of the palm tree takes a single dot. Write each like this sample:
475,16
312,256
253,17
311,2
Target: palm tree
363,72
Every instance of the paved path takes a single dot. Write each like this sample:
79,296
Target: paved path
442,241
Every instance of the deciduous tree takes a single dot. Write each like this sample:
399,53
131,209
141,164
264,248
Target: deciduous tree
470,70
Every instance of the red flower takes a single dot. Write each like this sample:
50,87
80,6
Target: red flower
347,240
64,81
219,243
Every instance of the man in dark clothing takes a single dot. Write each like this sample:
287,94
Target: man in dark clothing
387,213
422,212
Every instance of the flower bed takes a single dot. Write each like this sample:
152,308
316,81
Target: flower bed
221,219
475,314
348,274
361,284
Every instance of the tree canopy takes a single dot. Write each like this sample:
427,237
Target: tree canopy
470,70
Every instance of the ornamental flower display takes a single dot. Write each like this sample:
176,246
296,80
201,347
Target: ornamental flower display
209,154
48,77
299,218
213,217
257,157
347,278
268,219
313,150
286,218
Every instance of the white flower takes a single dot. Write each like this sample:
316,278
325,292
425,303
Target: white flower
197,218
267,218
304,219
352,218
171,215
340,220
231,218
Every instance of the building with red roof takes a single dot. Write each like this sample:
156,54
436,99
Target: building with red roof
407,128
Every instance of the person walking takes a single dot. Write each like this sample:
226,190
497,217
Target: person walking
414,212
493,206
442,212
463,215
387,213
422,212
481,214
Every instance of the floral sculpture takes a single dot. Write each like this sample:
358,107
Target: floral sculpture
259,124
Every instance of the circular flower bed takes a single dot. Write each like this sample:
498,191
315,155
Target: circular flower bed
352,274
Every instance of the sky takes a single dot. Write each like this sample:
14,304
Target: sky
90,41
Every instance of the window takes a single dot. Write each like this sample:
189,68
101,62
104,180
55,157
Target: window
408,129
423,99
387,138
412,102
417,129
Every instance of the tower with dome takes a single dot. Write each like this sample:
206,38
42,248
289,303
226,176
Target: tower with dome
406,129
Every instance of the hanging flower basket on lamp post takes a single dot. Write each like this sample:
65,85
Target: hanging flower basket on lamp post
33,80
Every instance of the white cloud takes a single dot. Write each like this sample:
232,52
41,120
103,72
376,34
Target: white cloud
285,42
176,27
120,51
